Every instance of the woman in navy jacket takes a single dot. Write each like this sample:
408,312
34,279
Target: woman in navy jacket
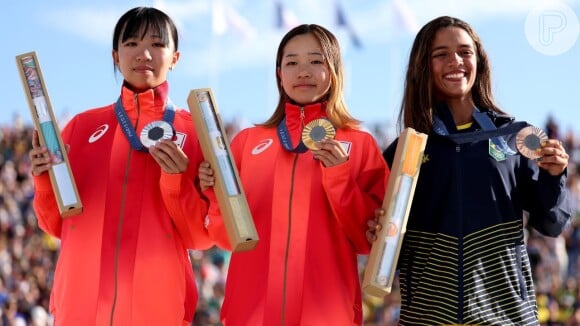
464,259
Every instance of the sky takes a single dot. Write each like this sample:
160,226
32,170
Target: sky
230,46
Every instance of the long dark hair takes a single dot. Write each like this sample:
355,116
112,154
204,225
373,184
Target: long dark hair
419,96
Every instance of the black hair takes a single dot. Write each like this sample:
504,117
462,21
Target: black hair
138,21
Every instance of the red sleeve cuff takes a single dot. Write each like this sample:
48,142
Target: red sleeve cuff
42,183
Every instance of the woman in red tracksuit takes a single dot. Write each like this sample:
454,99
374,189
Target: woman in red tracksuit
310,207
124,260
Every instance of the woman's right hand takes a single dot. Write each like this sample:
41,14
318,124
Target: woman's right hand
206,178
39,156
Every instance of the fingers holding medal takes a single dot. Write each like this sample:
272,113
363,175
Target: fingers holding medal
168,155
318,136
533,143
529,142
316,131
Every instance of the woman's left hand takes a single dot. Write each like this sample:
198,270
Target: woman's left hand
330,153
554,158
169,156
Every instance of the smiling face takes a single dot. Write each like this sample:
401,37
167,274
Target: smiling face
145,59
304,72
453,64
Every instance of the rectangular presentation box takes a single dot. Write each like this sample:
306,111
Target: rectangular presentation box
382,263
228,188
61,177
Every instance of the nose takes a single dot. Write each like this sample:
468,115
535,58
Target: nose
144,55
304,73
455,59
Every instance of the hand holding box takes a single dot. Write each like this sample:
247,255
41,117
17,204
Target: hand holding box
228,188
62,180
380,270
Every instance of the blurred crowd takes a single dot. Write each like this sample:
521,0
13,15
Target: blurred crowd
28,256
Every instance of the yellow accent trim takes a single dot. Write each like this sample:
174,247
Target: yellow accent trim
464,126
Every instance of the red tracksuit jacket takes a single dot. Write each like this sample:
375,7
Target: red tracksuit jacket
311,221
123,260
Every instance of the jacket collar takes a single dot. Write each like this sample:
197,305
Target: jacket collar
152,100
444,113
303,114
297,116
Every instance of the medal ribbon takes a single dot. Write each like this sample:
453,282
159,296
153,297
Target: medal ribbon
284,137
127,127
490,131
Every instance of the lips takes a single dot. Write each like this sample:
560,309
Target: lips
304,85
142,69
455,75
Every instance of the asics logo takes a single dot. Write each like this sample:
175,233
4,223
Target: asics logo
262,146
100,132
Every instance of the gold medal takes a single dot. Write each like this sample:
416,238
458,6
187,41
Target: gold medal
316,131
529,140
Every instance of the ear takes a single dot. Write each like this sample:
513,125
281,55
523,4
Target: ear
175,58
115,55
278,73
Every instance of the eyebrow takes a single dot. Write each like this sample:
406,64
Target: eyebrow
309,53
444,47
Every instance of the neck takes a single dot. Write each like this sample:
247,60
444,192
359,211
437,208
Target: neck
141,90
462,110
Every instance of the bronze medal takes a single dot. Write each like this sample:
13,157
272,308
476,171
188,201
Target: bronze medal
316,131
529,140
